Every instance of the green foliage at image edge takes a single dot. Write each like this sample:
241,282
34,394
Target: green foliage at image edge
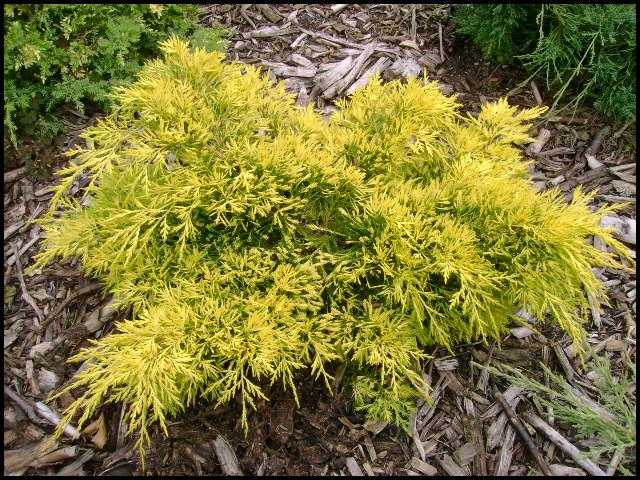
73,54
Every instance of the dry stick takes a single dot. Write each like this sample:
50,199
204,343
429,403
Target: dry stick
53,418
92,287
25,293
528,441
615,463
441,43
414,26
590,467
23,404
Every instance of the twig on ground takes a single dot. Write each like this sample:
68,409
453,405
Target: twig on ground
536,92
87,289
522,431
25,293
49,415
615,463
442,57
564,362
25,405
414,26
579,457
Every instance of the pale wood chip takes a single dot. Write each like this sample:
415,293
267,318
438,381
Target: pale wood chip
298,40
624,188
451,467
376,68
539,142
13,175
509,394
506,453
521,332
466,453
423,467
566,471
495,432
53,418
624,228
75,468
354,468
368,443
226,457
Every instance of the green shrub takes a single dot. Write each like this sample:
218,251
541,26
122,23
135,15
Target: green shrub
589,46
253,239
76,53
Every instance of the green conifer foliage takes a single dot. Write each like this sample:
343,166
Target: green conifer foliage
591,47
253,239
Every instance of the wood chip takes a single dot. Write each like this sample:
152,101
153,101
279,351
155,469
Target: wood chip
11,230
300,60
270,31
423,467
74,469
540,141
566,471
509,394
375,426
624,228
466,453
370,448
354,468
338,7
226,457
521,332
53,418
624,188
283,70
13,175
376,68
495,432
451,467
506,453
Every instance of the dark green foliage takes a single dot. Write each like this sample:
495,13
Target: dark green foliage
591,47
501,31
76,53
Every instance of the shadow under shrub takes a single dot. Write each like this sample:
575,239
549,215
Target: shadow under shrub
253,239
591,47
57,54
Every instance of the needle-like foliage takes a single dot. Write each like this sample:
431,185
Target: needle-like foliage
253,239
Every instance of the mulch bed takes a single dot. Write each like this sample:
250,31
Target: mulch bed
49,315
